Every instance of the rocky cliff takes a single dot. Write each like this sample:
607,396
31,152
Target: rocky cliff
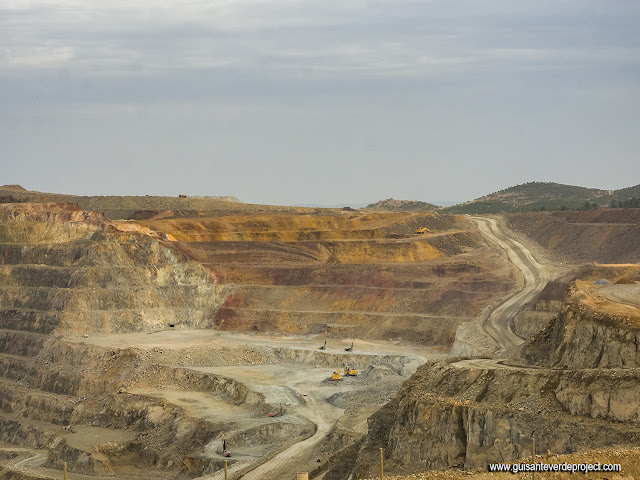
590,331
69,270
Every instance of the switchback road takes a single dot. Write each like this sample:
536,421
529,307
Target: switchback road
498,324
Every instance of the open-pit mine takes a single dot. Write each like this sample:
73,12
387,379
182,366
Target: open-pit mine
175,343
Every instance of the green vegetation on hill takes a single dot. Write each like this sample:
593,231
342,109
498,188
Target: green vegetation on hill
627,193
536,196
9,199
632,202
393,205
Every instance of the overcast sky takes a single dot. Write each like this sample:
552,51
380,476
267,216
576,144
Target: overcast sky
318,102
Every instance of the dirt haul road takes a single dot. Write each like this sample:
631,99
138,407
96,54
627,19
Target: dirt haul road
29,464
498,324
284,463
309,400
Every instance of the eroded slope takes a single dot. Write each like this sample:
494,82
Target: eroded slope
363,275
605,236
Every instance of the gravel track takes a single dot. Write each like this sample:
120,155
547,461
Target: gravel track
535,277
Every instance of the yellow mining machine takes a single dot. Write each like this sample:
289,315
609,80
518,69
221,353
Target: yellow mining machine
350,372
423,230
323,347
336,375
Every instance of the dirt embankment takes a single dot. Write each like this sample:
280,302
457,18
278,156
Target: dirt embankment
605,236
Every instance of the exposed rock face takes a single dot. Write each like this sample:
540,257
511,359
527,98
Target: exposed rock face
452,416
582,336
67,269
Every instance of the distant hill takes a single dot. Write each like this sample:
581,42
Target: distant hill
534,196
627,193
393,205
12,188
119,207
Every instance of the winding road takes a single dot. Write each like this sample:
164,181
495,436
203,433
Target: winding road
498,324
30,463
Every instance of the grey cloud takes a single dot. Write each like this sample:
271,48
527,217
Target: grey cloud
486,94
375,38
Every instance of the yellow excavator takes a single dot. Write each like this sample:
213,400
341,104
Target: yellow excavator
350,372
336,375
422,230
323,347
